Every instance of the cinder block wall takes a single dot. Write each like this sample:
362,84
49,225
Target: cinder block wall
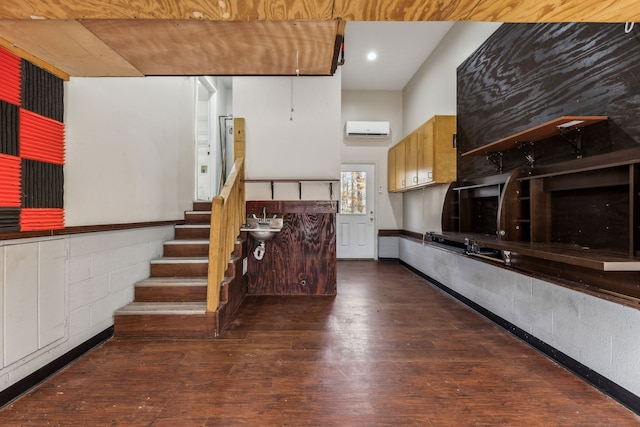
600,334
61,291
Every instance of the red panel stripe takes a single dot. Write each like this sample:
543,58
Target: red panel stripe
41,138
10,190
41,219
10,77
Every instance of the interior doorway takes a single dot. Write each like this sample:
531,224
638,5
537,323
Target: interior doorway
205,140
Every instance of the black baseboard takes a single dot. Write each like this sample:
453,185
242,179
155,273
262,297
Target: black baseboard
16,390
597,380
393,260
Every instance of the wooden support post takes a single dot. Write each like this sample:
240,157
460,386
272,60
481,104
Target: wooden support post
238,138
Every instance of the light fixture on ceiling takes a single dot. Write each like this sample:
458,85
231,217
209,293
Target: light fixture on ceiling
371,56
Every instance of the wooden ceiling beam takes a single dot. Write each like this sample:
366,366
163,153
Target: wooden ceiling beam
223,10
91,38
11,47
350,10
65,44
527,11
187,47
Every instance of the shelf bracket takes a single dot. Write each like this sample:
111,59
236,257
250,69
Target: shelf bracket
528,151
331,191
300,190
496,158
273,189
573,137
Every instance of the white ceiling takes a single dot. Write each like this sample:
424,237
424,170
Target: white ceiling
401,48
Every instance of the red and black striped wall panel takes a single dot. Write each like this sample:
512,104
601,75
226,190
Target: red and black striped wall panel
10,77
31,147
41,138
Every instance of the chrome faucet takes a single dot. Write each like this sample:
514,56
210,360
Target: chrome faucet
264,220
264,214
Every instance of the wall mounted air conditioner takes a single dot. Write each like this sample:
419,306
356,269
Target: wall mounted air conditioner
362,129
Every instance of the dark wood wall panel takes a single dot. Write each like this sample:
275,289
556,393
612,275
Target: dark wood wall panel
527,74
603,283
483,211
596,218
634,216
301,259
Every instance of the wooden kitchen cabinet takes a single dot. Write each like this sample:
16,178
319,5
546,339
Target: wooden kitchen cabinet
401,179
424,157
411,143
439,153
391,169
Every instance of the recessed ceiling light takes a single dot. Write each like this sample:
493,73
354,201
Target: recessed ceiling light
371,56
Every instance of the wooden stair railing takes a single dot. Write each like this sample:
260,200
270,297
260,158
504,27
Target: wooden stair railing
228,213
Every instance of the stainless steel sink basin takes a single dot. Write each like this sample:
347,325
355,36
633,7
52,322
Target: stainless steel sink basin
262,229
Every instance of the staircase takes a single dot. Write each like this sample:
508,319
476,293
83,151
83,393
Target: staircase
171,303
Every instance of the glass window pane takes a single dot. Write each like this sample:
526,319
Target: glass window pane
353,190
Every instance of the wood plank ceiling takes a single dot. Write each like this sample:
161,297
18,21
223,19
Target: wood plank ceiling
90,38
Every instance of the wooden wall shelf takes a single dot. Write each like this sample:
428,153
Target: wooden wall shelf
593,259
273,181
577,220
537,133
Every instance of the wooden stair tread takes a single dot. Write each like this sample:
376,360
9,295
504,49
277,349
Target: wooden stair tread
187,242
180,260
162,308
173,281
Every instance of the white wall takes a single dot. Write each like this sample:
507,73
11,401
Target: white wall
129,158
383,106
129,149
58,292
432,91
308,146
600,334
224,107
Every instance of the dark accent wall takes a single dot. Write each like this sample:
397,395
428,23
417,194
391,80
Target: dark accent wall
301,259
528,74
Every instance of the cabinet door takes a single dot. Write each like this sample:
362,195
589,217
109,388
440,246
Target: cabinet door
391,170
401,181
411,159
444,165
425,153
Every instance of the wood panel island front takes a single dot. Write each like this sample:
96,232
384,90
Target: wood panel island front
300,259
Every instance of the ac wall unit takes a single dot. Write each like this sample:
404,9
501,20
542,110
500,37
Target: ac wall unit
367,129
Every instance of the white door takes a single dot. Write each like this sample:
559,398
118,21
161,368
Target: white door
205,173
356,219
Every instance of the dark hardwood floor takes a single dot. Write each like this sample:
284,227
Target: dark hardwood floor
388,350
